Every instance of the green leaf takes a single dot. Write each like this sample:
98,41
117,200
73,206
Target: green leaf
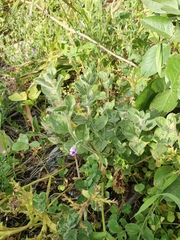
132,229
128,129
170,216
97,235
70,102
149,65
58,123
139,187
80,119
174,188
154,6
147,234
138,146
148,203
160,176
162,25
173,198
71,235
33,92
34,144
39,201
21,144
170,7
170,181
172,71
145,98
113,225
165,102
100,122
18,97
82,132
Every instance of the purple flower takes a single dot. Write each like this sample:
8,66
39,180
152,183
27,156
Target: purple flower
73,151
34,51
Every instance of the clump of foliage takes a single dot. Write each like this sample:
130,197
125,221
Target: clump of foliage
108,76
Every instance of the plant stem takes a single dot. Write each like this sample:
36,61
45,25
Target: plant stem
77,167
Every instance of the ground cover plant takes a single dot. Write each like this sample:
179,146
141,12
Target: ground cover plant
89,116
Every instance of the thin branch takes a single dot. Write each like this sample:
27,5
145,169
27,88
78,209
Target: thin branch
65,26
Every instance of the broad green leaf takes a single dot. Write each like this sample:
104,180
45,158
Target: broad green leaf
97,235
100,122
144,99
153,6
70,102
18,97
128,129
33,92
158,85
174,188
173,198
139,187
82,132
58,123
170,216
148,65
170,181
147,234
147,95
113,225
161,25
176,35
72,234
170,7
132,229
165,102
34,144
172,71
19,146
80,119
160,176
138,146
148,203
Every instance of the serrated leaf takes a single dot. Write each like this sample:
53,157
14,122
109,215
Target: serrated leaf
18,97
164,102
161,25
172,71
